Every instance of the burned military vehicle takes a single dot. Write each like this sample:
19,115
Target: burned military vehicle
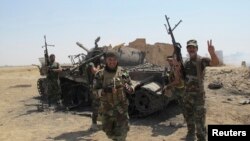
73,79
148,81
75,82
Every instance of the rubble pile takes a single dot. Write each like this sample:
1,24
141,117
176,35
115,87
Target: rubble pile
234,79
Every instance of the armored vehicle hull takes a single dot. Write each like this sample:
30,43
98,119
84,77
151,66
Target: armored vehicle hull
148,81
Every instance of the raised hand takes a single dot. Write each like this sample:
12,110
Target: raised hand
210,46
214,59
176,64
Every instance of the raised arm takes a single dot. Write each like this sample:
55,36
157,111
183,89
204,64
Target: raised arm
214,59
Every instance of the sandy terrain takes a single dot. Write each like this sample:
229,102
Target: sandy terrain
20,120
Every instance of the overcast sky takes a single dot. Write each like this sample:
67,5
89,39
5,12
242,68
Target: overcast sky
23,23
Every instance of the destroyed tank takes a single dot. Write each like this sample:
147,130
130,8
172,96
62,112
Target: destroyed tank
73,80
148,81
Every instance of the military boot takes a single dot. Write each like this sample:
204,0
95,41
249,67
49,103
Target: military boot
201,137
190,135
94,127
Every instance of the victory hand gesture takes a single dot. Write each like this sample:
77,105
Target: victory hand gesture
210,46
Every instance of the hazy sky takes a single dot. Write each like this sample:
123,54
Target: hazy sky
23,23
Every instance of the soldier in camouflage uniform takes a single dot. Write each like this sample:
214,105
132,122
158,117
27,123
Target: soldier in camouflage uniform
194,98
92,69
54,90
176,83
88,72
110,83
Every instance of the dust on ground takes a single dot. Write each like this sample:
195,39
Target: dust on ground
21,121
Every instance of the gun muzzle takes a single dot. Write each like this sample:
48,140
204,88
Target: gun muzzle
81,46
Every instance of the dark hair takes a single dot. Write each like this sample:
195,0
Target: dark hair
111,54
52,55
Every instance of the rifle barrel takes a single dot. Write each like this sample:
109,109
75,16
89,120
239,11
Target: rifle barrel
177,46
81,46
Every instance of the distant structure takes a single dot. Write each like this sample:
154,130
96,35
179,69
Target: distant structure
219,53
138,43
243,64
156,53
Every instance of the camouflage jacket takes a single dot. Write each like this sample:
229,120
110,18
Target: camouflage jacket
106,81
89,75
195,70
51,74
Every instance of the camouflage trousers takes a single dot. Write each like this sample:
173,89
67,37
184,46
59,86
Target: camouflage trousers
54,91
114,107
116,127
194,103
179,93
95,105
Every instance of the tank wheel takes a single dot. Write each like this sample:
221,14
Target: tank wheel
131,107
142,101
75,97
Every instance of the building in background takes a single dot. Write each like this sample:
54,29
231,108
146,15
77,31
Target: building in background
219,53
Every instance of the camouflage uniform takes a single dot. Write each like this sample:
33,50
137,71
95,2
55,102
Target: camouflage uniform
54,90
94,95
114,105
194,98
178,92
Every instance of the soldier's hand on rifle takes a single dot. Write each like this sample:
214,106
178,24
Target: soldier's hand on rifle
177,65
128,89
48,69
211,49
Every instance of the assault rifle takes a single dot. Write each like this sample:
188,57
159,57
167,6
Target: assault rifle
177,46
46,55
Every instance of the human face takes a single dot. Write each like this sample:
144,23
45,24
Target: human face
111,62
52,58
192,51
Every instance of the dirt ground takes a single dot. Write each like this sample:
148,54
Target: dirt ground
20,120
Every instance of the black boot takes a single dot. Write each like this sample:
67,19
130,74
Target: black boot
190,136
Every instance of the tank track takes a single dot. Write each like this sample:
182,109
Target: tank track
40,86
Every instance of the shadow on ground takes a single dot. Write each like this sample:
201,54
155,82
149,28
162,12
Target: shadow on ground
75,136
163,122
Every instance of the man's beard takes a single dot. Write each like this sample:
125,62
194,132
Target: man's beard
108,69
